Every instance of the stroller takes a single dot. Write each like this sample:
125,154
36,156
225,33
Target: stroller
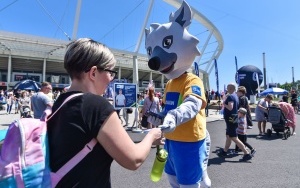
26,112
279,122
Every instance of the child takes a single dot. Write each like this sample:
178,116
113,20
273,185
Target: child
241,131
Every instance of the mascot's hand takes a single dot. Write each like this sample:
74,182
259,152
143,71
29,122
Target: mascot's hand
156,119
169,124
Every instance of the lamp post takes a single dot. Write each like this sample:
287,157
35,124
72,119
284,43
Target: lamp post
265,72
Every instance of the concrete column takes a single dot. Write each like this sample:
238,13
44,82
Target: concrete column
44,70
150,76
265,71
162,82
135,77
9,71
205,82
119,73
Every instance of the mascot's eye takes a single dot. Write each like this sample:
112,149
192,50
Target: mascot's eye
167,42
149,51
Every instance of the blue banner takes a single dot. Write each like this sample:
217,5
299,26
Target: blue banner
217,75
196,69
125,95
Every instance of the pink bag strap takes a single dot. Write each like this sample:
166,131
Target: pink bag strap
77,158
81,154
48,111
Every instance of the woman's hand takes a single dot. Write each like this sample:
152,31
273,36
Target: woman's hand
266,109
158,138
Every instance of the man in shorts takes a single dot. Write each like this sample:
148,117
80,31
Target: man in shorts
231,104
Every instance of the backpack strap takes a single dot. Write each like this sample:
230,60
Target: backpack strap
81,154
48,111
77,158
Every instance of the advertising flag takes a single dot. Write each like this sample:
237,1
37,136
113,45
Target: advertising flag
237,73
217,75
196,69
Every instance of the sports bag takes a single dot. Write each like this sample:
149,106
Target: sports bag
24,157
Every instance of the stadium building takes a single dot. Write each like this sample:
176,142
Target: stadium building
24,56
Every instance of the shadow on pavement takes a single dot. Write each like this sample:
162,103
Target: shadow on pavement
266,137
5,125
219,160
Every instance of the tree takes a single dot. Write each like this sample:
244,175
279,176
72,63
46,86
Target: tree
288,86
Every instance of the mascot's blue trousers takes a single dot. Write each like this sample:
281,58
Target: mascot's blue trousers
187,163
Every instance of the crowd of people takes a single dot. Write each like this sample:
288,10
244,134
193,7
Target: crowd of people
237,115
28,103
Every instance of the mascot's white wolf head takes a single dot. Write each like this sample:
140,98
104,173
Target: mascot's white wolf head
170,47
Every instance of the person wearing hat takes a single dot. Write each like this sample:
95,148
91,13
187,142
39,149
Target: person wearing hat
241,131
27,113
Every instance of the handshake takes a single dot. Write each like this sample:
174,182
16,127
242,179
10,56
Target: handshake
167,123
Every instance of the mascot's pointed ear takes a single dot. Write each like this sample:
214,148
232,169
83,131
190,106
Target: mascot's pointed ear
147,31
182,16
154,26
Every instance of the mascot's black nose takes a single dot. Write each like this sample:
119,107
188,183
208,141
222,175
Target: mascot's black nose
154,63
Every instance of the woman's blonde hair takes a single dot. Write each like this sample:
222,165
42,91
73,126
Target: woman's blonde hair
151,93
85,53
270,96
23,92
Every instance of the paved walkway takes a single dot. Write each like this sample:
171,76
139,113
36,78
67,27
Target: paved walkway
6,119
276,163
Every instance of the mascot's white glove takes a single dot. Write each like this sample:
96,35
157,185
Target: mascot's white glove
169,123
189,108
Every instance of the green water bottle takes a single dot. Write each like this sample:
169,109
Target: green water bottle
159,164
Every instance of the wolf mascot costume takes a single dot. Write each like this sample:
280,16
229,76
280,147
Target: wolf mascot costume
171,51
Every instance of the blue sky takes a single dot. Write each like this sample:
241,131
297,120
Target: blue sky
248,28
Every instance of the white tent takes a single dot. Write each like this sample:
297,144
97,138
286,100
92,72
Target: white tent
274,91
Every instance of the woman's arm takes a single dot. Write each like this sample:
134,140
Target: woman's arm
261,106
115,140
